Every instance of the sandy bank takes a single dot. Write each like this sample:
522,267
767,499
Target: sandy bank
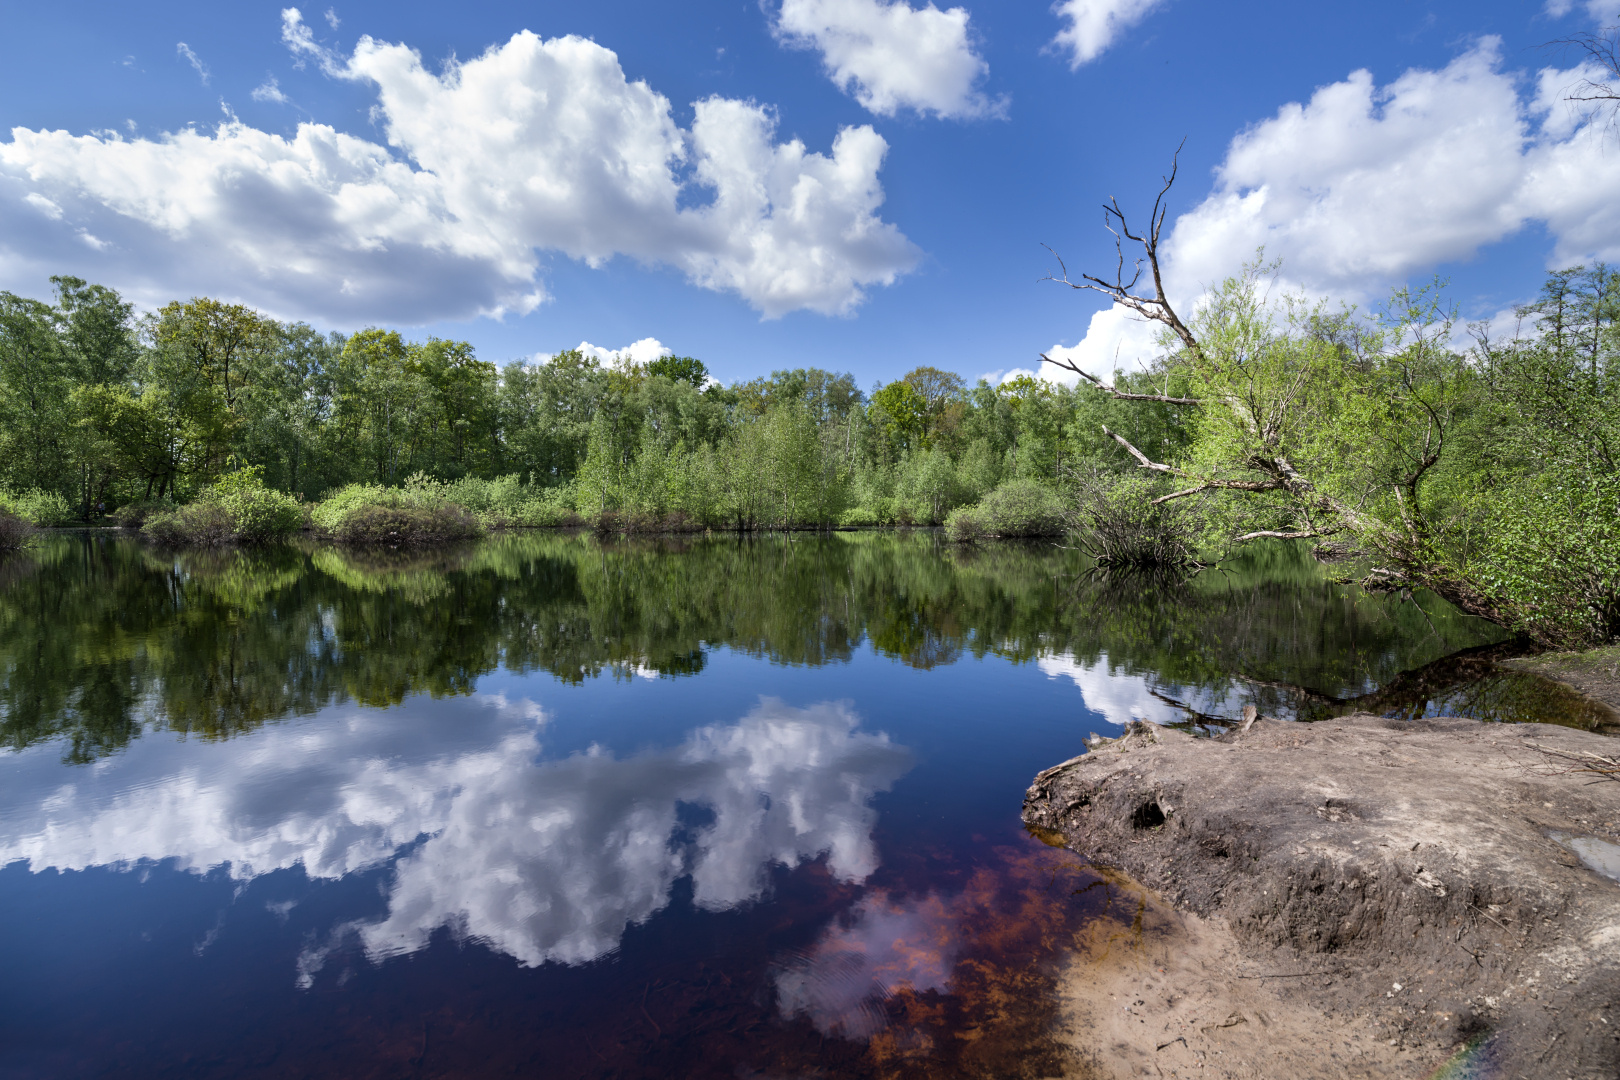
1357,897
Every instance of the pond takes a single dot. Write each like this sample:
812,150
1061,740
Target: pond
547,806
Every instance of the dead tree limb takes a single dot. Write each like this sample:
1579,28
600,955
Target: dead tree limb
1070,365
1124,292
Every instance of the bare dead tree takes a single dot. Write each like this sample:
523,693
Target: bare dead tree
1125,292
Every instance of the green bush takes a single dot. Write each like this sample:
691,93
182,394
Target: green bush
1554,559
237,509
1016,508
258,514
506,502
418,513
402,526
881,513
136,514
37,507
202,524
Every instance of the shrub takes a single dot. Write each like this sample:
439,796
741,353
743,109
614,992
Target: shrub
418,513
1121,526
507,503
38,507
202,524
1016,508
867,514
258,514
134,515
962,526
15,531
238,509
1554,559
402,525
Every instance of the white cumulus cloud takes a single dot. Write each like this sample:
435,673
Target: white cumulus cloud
535,146
1365,186
1093,25
270,90
637,352
891,56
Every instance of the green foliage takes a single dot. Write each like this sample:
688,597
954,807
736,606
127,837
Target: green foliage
1554,559
418,513
684,369
1016,508
200,524
401,525
37,507
237,509
133,515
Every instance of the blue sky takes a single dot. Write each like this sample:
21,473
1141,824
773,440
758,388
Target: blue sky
640,180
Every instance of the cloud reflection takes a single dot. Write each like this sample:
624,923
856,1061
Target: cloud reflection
1115,696
544,861
554,862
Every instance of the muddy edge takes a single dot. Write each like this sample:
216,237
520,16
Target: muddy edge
1438,855
1595,673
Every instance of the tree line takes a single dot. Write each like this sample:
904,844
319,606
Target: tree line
100,408
1479,463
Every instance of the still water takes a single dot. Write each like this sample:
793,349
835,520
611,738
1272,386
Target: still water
550,807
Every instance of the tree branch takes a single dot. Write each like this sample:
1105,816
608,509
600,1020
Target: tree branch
1156,307
1204,482
1070,365
1301,534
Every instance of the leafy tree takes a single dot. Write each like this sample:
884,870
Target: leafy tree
684,369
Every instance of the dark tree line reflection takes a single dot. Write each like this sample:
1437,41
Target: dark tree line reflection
102,638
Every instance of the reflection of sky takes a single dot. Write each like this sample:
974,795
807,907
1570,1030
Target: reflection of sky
1119,697
1116,697
541,860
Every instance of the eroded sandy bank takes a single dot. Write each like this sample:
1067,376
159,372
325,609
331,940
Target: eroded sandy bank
1358,897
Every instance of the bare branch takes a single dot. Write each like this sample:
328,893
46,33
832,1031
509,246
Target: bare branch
1301,534
1195,489
1120,291
1204,482
1070,365
1603,49
1142,459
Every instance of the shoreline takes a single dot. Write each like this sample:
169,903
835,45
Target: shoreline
1433,890
1595,673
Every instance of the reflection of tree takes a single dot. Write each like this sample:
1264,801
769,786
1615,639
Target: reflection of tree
102,637
1463,683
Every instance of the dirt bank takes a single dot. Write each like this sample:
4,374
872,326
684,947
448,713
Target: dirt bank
1595,674
1357,897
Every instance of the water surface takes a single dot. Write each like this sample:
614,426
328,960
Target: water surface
544,806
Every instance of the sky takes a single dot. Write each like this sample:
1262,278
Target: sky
859,185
